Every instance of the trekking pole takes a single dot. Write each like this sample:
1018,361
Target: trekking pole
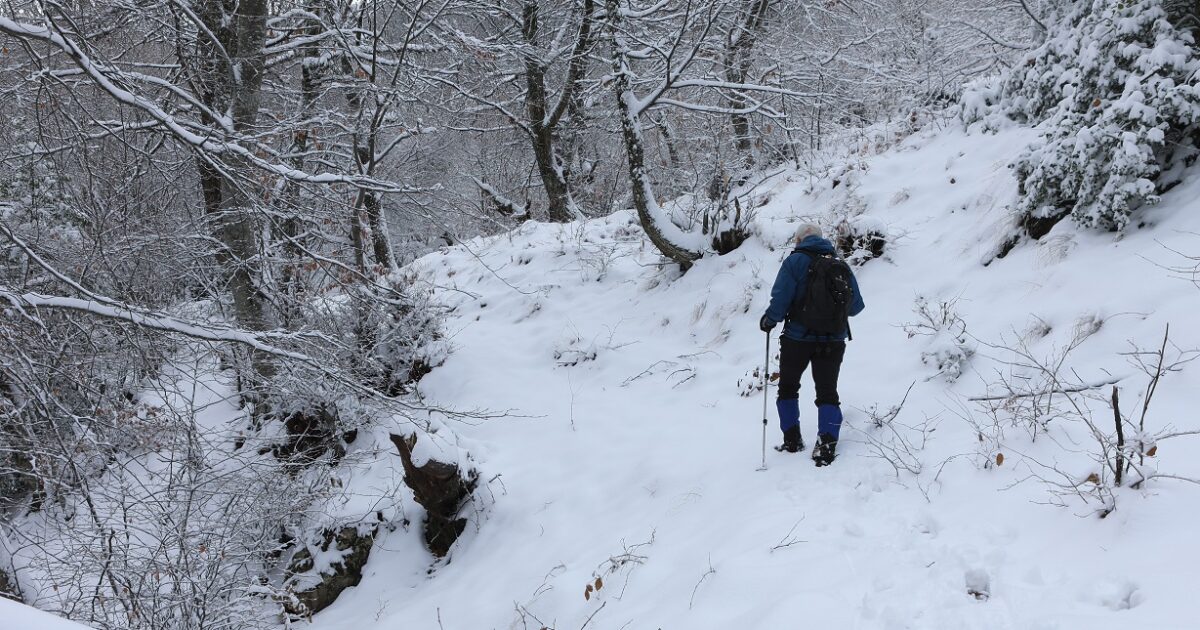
766,384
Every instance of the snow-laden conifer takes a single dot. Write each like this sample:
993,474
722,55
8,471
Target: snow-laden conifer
1114,88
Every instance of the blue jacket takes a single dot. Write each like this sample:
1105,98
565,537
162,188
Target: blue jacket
790,283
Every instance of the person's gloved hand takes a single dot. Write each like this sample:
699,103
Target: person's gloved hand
765,324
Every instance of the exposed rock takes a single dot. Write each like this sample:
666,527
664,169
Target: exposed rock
728,240
442,489
860,241
356,548
1037,227
311,433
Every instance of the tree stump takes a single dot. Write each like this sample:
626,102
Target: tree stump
442,489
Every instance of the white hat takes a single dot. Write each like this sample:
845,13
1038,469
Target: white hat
806,230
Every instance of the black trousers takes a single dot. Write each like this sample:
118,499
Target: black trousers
826,360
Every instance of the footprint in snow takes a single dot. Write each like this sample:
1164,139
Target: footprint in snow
1121,595
979,584
926,524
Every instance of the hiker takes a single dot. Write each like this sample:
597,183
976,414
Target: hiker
815,293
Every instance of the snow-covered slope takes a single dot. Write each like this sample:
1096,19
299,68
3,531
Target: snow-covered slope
16,616
628,460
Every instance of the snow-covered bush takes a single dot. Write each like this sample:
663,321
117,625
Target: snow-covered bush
751,383
845,183
980,101
406,333
388,333
1114,85
101,387
1106,442
181,533
897,443
947,349
386,337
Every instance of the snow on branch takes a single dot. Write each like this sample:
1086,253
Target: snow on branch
504,205
25,302
201,140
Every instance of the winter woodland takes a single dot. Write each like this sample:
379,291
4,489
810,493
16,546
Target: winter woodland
443,313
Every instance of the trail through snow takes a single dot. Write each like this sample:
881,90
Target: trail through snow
629,454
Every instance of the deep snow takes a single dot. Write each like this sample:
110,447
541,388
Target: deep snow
631,456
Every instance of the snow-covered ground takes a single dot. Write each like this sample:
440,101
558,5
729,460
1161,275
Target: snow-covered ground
15,616
628,460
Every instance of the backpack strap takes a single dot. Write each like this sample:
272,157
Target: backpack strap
813,255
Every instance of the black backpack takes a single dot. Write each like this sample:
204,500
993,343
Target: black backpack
824,307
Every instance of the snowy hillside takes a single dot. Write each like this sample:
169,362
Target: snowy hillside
621,485
340,315
17,616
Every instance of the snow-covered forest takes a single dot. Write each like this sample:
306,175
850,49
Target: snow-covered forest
445,314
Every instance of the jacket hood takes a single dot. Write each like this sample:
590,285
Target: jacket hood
816,243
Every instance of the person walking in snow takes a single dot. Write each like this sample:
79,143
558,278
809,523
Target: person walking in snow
815,294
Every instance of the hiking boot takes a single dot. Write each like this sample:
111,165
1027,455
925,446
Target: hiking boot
792,442
825,450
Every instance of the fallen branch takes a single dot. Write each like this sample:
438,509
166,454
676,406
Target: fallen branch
1054,390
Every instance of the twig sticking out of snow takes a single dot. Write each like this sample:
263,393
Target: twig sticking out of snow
1052,390
707,573
594,613
790,539
629,558
894,442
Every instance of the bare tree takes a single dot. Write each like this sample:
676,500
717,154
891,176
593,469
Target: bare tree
526,63
739,46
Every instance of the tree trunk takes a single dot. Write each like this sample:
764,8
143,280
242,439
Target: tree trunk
240,230
357,236
290,277
381,245
543,118
367,214
226,190
741,126
368,205
631,131
737,68
560,206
